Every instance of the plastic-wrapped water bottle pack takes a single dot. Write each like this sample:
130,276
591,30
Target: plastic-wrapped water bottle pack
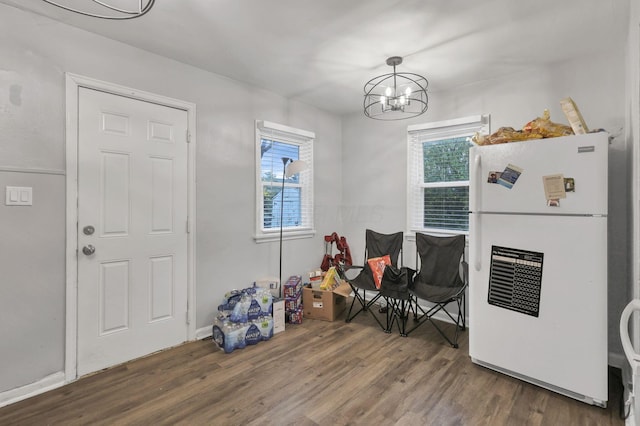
244,318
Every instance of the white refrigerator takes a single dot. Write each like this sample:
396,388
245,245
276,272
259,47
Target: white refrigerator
538,262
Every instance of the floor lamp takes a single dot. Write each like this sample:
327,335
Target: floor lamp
289,168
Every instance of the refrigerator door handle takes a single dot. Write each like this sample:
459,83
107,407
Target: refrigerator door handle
475,217
474,223
632,356
477,187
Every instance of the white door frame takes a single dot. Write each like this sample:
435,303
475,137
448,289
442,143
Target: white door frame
73,83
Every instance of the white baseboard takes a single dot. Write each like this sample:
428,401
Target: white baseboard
48,383
204,332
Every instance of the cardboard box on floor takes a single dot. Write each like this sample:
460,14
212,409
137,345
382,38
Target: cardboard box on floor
325,305
278,315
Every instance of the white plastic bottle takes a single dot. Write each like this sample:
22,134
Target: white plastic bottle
266,327
240,331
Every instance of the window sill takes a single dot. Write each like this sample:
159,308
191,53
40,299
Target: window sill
286,235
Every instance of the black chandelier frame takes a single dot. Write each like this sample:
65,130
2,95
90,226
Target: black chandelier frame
115,13
384,101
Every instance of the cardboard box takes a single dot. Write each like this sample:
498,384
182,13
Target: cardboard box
574,117
278,315
295,317
273,284
324,305
292,287
293,303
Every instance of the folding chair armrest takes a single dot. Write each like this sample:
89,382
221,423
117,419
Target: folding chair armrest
349,268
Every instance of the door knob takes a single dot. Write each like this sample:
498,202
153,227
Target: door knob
88,250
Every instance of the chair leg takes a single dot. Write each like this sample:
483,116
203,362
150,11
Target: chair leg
416,307
372,312
464,311
453,343
397,313
364,298
364,306
361,300
349,317
404,313
389,315
458,321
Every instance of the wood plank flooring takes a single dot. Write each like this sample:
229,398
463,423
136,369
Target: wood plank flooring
316,373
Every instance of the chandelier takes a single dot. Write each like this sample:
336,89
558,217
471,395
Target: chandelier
395,96
104,10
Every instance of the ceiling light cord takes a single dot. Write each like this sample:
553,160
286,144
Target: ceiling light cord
126,14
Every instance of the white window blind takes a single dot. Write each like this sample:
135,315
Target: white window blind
438,174
288,203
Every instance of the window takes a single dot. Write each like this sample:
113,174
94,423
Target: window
292,198
438,174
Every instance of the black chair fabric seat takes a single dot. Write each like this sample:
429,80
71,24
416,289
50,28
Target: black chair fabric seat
362,280
437,294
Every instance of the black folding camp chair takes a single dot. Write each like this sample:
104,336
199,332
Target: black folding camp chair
441,280
366,294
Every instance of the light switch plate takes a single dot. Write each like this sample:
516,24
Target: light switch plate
19,196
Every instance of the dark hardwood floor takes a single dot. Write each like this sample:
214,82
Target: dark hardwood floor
316,373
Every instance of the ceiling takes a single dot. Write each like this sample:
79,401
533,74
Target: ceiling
321,52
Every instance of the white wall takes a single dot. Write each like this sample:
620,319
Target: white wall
36,52
375,152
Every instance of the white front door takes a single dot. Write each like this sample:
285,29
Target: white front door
132,228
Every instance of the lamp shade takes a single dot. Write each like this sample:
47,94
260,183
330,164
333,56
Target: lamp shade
295,167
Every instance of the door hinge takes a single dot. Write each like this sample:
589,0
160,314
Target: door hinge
188,225
187,317
188,136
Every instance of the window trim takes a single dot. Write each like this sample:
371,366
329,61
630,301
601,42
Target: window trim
304,139
436,131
